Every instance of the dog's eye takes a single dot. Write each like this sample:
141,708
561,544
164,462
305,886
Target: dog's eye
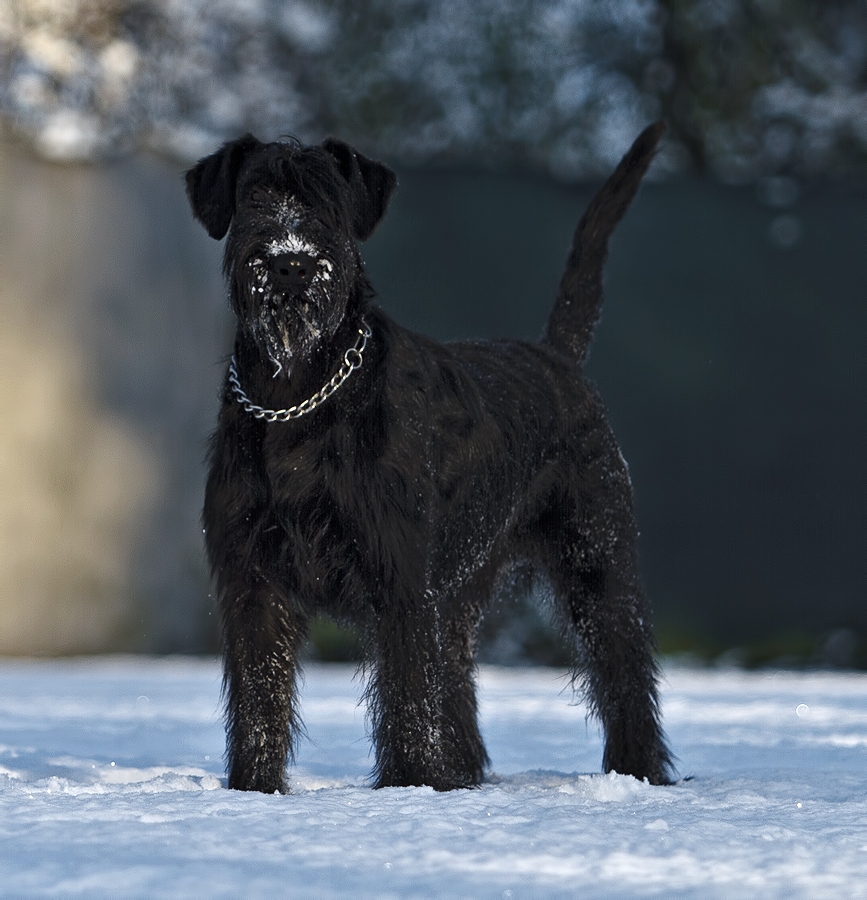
257,196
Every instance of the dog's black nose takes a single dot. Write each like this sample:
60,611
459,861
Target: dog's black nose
292,269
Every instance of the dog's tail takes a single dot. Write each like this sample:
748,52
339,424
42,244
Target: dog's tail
579,298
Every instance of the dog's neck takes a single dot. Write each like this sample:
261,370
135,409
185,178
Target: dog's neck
273,386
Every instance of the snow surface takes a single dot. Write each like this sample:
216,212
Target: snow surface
111,785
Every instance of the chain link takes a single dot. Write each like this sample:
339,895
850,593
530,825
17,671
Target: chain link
352,360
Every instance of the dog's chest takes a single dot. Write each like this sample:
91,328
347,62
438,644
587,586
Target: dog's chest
356,515
310,479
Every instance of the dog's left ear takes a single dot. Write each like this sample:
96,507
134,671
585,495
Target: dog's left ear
211,185
371,185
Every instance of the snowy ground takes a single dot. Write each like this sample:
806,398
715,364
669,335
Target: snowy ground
111,786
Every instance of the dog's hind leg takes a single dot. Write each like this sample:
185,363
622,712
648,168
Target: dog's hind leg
618,673
422,703
262,639
589,553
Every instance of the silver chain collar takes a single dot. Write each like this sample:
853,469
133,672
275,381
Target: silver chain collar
352,360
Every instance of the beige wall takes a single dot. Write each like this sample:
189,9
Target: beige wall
111,322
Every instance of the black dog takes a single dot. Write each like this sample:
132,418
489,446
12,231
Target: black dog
391,481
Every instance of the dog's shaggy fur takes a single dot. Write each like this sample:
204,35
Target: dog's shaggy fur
391,481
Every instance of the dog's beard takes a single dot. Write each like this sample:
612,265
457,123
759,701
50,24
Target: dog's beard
285,337
289,324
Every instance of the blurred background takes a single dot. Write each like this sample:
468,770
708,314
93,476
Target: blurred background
732,348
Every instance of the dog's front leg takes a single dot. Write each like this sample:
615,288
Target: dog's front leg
263,629
422,702
405,700
262,637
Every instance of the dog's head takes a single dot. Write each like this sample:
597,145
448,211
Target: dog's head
293,214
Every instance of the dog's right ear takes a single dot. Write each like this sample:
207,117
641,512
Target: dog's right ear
211,185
